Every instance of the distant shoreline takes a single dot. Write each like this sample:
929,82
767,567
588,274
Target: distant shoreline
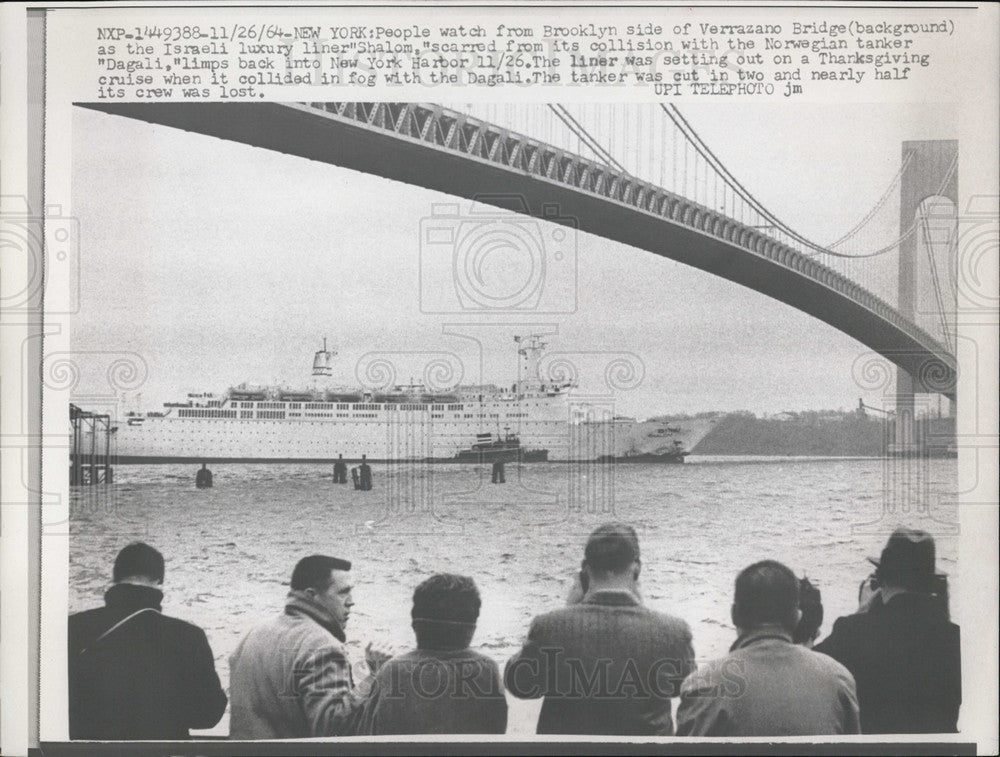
837,434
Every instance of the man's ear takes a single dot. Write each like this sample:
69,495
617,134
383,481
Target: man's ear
636,570
734,613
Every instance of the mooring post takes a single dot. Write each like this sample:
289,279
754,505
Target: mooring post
107,450
93,451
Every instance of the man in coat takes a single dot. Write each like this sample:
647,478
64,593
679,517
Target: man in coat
605,664
135,673
443,686
768,685
903,651
291,677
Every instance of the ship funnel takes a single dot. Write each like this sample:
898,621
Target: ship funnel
530,350
322,362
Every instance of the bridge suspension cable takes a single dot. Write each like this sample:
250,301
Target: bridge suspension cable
577,128
889,192
709,156
638,142
910,231
942,313
691,136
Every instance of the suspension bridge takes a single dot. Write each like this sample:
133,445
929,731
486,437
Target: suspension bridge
642,176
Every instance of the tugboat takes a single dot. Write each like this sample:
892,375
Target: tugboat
506,449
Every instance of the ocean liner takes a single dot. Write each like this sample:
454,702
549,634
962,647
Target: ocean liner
541,420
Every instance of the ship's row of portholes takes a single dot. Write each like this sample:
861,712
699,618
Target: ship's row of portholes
289,408
423,419
387,424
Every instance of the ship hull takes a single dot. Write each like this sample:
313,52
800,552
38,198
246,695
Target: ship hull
197,459
541,420
665,459
500,456
543,429
536,456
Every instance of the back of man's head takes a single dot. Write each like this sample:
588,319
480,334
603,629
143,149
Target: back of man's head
445,611
138,561
767,593
611,548
313,572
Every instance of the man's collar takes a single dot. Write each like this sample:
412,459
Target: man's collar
889,593
903,600
612,597
298,602
132,597
761,633
141,581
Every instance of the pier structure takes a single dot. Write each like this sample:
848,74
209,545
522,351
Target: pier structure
90,453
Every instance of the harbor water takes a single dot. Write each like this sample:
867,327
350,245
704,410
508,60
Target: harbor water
230,549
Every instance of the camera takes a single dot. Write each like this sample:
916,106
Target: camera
497,259
938,591
38,252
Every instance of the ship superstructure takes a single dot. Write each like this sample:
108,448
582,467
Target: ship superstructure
403,422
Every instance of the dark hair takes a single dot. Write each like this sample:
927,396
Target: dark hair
313,572
811,605
138,559
445,611
766,592
611,548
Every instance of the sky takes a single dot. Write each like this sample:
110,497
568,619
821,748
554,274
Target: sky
218,263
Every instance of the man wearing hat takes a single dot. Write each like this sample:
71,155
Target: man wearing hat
903,652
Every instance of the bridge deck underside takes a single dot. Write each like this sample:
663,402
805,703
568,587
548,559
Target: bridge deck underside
296,131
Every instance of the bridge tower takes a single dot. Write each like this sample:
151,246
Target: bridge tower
932,172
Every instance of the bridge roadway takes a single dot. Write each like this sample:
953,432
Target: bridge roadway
433,147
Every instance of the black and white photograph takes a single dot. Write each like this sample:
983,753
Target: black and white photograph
661,412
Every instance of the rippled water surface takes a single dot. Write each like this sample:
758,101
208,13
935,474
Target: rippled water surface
230,549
